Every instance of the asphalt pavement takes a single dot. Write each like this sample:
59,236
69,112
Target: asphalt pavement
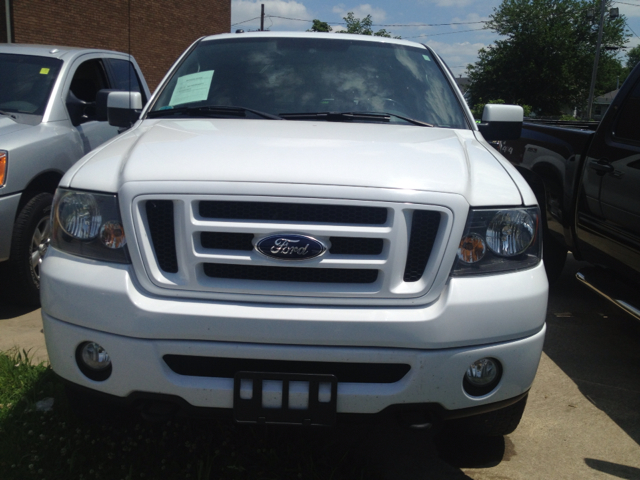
582,420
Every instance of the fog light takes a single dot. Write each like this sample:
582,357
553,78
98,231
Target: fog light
93,361
482,376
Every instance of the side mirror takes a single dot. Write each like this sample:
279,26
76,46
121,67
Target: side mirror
501,122
101,103
123,108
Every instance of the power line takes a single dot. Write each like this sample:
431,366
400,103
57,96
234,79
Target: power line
245,21
627,25
373,24
448,33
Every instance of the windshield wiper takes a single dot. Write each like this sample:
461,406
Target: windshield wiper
212,110
350,116
2,112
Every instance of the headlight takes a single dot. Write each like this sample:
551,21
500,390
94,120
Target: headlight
89,225
498,241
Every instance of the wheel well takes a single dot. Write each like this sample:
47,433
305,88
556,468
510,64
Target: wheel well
45,182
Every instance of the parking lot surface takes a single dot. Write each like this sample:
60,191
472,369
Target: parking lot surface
582,419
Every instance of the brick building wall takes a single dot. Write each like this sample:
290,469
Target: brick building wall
160,30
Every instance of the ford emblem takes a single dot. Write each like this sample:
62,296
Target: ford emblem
290,247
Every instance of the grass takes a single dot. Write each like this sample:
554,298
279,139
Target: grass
56,445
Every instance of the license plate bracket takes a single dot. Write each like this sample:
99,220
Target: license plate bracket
318,412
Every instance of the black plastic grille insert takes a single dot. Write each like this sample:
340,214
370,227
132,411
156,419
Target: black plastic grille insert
161,227
290,274
244,242
424,229
294,212
227,367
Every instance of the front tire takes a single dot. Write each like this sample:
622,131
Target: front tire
29,243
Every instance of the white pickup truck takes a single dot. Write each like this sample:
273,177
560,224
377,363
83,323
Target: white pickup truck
300,227
49,119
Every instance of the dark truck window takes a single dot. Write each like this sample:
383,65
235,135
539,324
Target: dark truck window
125,77
627,127
88,79
26,82
305,75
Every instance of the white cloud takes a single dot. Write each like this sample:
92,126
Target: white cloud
452,3
457,55
628,10
361,11
242,10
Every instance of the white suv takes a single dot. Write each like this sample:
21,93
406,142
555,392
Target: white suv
301,226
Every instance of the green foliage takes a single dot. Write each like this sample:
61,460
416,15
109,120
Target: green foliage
633,57
319,26
546,55
55,444
363,27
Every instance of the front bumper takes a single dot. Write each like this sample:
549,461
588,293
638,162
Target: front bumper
499,316
8,209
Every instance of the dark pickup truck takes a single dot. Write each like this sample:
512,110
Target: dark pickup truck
588,177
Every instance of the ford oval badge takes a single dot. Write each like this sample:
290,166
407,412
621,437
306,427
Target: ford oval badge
290,247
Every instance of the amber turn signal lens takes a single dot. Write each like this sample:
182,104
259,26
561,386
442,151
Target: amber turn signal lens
3,167
112,235
471,249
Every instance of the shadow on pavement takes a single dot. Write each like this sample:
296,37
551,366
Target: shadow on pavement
474,452
614,469
596,345
9,310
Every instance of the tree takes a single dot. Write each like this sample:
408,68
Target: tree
633,57
319,26
546,57
363,27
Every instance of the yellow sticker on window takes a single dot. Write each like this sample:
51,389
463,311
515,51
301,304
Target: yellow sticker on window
44,71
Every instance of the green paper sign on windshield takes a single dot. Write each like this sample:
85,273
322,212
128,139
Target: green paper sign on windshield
192,88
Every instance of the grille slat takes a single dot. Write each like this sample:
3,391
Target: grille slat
161,226
290,274
424,229
219,367
294,212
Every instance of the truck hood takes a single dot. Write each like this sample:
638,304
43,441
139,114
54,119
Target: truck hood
300,152
7,126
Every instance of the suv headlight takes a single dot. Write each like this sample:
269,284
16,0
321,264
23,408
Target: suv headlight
89,225
499,240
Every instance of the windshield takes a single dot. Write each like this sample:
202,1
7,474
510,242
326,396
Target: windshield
26,82
285,76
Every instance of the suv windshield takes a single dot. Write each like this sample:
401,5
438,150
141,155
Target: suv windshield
26,82
289,77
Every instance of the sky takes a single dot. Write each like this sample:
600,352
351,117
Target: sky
457,41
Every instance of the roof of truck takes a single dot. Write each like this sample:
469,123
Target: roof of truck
324,35
52,51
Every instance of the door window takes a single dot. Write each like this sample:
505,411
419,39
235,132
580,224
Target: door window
627,126
89,78
125,77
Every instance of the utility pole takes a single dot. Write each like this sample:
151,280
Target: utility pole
595,63
262,19
7,7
